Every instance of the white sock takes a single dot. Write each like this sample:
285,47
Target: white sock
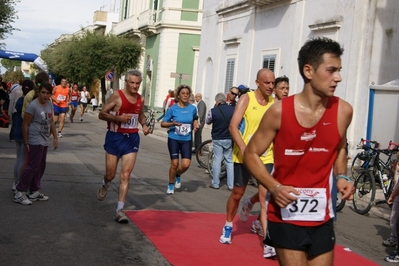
228,224
106,185
120,206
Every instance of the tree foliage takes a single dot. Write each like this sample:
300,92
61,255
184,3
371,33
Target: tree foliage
13,76
8,14
9,64
88,57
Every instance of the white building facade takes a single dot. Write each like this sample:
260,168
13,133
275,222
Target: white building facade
241,36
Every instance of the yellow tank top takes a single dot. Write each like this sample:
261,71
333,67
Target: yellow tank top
249,124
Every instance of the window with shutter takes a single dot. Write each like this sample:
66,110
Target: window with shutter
229,74
269,61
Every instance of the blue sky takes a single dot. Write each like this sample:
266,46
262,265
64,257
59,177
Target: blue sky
43,21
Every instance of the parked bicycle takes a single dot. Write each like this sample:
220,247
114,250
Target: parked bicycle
223,172
373,170
202,153
150,119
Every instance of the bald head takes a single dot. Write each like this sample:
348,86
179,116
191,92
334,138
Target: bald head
263,71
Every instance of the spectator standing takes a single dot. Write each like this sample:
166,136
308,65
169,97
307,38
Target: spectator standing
37,126
232,96
94,102
201,107
220,117
14,94
27,86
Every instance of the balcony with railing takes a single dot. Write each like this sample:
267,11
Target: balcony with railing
147,21
127,26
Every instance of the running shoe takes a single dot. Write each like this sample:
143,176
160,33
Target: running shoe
20,197
121,217
393,257
171,189
60,135
245,210
81,119
225,238
34,196
269,252
177,182
256,228
389,242
101,193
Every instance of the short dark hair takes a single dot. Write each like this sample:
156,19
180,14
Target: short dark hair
281,79
47,86
313,50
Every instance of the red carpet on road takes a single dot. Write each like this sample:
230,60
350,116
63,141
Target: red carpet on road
192,238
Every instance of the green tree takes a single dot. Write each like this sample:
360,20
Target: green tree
8,14
88,57
10,64
13,76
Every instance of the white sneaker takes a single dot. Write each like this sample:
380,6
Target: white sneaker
60,135
177,182
37,196
256,228
20,197
245,210
225,238
269,252
171,189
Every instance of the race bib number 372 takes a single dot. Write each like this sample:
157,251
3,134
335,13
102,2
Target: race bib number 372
310,206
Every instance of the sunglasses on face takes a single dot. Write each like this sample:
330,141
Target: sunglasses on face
233,93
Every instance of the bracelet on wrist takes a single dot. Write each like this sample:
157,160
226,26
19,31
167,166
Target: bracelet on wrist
276,187
343,176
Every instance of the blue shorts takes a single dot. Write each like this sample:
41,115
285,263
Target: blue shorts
120,144
59,110
74,104
177,147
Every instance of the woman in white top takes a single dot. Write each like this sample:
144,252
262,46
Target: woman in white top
84,98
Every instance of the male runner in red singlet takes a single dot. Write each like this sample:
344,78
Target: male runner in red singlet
124,112
309,134
60,104
75,97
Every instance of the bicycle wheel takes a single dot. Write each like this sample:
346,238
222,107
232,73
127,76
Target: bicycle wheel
364,195
340,204
151,125
358,164
202,153
223,171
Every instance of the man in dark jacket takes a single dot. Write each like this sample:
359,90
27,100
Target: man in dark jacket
220,117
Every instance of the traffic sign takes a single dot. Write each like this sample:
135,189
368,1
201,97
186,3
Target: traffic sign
109,76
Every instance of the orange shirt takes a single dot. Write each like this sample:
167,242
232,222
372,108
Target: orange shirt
61,94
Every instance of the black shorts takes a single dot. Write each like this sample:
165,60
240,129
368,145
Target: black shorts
241,174
182,147
313,241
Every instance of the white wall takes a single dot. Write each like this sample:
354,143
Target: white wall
368,31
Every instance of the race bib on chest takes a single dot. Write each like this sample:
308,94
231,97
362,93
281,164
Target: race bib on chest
61,97
310,206
132,123
74,98
183,129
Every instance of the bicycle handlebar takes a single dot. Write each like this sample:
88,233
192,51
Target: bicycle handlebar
393,146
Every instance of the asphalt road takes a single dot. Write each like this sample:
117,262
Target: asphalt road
73,228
